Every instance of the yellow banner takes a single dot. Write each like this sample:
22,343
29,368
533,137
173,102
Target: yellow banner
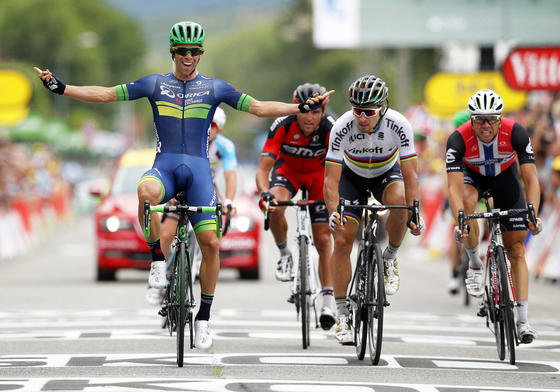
447,93
15,93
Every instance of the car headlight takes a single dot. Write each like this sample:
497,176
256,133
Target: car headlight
114,224
241,223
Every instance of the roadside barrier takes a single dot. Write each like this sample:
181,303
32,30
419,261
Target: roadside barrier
27,220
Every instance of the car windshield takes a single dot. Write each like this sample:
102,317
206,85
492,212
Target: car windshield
127,178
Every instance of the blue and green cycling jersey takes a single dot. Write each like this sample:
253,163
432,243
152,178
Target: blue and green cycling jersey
183,110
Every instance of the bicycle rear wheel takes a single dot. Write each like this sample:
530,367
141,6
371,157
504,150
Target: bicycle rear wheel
303,286
181,298
506,304
376,304
360,317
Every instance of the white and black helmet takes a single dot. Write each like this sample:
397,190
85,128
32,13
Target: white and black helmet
485,102
368,91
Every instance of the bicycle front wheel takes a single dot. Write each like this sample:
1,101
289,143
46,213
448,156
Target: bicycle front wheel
376,305
360,318
303,287
180,296
493,313
506,304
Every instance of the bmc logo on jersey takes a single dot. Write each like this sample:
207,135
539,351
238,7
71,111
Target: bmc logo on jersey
304,152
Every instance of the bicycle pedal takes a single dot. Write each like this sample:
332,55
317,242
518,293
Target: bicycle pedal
163,312
291,299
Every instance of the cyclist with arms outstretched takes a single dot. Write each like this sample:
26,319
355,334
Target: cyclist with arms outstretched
183,104
294,156
371,148
482,155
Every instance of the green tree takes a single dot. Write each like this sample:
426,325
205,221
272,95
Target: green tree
82,42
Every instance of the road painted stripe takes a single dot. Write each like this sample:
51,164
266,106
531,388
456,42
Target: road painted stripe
87,384
276,359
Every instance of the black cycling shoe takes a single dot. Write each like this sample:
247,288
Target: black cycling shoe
327,319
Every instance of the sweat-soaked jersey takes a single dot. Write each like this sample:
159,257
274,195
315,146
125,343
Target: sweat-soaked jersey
370,155
488,159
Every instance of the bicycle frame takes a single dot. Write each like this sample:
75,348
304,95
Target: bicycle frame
178,303
499,295
303,233
367,291
305,287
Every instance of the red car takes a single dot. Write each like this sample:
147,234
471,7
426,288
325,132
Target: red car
120,241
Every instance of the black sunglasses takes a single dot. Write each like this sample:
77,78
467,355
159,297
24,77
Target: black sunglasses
182,51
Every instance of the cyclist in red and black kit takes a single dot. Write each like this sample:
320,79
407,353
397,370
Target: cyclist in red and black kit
482,155
294,156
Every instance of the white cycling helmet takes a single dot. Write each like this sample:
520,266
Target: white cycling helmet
485,102
220,117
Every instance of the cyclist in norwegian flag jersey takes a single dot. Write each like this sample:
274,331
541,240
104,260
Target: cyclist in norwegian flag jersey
482,155
294,156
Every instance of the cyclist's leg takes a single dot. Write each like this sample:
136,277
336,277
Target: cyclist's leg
506,196
154,185
351,188
283,187
168,228
322,239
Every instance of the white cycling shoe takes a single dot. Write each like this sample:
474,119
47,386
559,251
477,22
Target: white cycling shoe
392,279
525,333
154,296
157,277
283,271
202,334
454,285
343,331
475,282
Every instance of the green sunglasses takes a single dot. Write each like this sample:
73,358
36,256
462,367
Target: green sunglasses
182,51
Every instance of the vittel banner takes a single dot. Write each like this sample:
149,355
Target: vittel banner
533,69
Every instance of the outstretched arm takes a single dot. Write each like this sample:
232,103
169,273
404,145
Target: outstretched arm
277,109
83,93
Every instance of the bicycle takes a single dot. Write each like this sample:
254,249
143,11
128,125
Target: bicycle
178,302
367,288
304,288
499,296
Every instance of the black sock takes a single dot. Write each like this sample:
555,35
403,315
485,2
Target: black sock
455,272
205,305
155,249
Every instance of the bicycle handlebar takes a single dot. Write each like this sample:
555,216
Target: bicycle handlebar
497,213
181,209
415,208
289,203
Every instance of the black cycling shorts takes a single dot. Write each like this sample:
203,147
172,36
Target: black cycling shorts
356,188
507,192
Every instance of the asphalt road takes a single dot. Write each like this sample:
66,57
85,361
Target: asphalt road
61,330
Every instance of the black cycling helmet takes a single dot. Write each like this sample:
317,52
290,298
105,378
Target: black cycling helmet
368,91
305,91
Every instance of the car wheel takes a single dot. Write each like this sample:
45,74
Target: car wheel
251,274
105,275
